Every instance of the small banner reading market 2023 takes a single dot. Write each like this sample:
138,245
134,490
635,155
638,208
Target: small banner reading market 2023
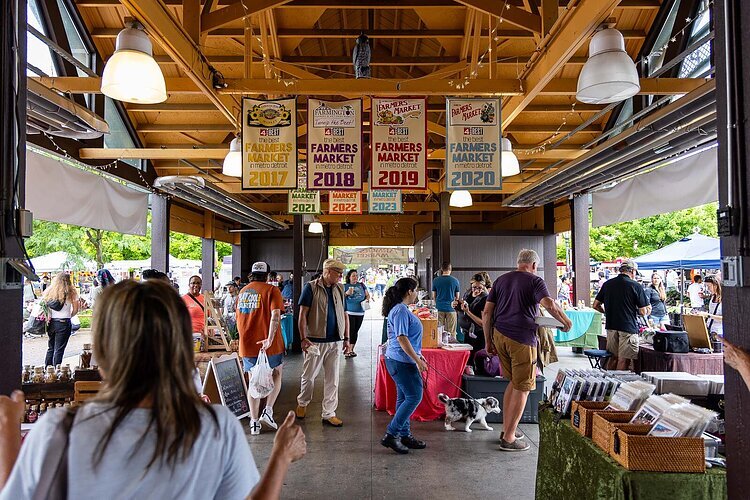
344,202
385,201
472,157
269,144
304,202
399,143
334,144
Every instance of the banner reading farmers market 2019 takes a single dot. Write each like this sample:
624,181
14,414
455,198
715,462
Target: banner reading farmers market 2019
472,156
399,144
334,144
269,144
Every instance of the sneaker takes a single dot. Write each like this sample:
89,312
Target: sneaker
300,411
254,427
517,445
333,422
413,443
394,443
266,417
518,434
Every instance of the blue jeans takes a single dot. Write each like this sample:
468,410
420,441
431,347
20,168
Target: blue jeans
408,395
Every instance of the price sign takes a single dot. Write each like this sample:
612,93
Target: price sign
472,157
334,144
385,201
345,202
399,143
303,202
269,144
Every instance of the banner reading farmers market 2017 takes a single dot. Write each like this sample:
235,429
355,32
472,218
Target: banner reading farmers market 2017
334,144
269,144
472,157
399,144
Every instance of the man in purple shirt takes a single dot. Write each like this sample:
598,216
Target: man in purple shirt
510,332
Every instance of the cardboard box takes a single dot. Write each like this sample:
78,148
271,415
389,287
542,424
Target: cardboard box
430,338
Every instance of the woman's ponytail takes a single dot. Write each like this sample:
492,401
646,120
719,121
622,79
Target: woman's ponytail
395,294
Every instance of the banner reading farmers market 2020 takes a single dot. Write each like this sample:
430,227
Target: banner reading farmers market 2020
472,157
269,144
334,144
399,143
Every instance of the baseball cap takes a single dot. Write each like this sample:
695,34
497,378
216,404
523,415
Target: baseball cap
334,264
259,267
628,265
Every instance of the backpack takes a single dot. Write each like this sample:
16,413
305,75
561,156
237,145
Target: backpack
487,365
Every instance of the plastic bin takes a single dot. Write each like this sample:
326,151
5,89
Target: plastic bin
287,329
482,387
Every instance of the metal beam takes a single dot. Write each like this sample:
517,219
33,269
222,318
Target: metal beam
160,24
513,15
572,32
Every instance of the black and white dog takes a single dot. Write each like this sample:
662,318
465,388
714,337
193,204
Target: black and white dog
468,409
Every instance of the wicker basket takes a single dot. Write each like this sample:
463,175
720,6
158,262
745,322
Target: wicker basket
582,413
634,450
604,425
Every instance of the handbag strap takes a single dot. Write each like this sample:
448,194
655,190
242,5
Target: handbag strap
53,483
197,302
710,323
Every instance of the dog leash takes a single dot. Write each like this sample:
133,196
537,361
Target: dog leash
469,396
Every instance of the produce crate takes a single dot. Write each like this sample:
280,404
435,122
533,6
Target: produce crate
605,424
582,414
482,387
430,337
634,450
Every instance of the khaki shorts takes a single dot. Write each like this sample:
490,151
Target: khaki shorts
622,344
518,361
448,320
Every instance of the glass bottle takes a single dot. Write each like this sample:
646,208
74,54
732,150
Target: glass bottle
33,414
64,375
42,409
50,376
86,357
26,375
38,377
26,411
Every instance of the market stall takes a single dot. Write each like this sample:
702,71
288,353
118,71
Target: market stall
587,325
650,360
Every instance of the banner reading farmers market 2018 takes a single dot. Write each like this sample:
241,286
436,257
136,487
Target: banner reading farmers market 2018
269,144
399,144
334,144
472,156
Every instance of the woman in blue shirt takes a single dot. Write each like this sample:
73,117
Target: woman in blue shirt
404,362
355,293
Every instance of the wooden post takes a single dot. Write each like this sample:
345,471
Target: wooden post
579,231
160,207
298,235
445,230
236,260
549,259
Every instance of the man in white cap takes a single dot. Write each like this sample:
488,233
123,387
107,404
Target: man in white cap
323,323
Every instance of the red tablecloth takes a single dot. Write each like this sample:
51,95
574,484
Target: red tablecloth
449,363
650,360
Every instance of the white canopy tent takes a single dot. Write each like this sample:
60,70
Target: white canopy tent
61,261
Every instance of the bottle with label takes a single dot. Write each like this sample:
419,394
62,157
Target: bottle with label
64,375
26,374
33,414
50,376
38,377
86,357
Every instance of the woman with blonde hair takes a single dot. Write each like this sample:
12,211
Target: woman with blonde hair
147,434
62,300
657,296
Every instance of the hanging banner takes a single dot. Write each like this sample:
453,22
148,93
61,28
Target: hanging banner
269,144
385,201
399,143
334,144
303,202
472,157
345,202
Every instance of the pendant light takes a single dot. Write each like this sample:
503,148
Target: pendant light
508,161
132,74
233,160
315,228
460,199
609,75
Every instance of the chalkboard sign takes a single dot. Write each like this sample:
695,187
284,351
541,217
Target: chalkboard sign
225,382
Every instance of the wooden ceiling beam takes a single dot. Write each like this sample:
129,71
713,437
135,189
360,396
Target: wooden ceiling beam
511,14
380,61
237,11
368,4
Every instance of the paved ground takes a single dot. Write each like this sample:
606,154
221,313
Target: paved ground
34,349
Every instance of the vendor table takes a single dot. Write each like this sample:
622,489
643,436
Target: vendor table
587,324
572,466
691,362
449,363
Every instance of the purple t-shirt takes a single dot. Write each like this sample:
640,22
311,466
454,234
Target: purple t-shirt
516,296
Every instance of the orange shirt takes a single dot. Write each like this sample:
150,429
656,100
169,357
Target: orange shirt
197,313
254,305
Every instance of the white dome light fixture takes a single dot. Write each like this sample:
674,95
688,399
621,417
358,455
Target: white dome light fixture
315,228
508,161
460,199
132,74
233,160
609,75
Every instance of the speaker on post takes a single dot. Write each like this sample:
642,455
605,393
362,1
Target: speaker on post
347,225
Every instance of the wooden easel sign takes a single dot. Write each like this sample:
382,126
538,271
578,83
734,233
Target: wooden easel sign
225,383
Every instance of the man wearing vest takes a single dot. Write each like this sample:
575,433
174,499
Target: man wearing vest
323,323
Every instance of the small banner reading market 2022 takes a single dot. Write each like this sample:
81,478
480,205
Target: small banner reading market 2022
344,202
385,201
399,143
304,202
269,144
334,144
472,157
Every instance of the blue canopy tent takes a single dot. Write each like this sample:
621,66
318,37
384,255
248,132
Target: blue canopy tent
691,252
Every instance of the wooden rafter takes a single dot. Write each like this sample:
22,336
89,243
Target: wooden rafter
236,11
511,14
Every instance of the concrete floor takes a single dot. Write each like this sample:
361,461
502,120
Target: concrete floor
350,463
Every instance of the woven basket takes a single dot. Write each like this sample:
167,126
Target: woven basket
634,450
605,423
582,413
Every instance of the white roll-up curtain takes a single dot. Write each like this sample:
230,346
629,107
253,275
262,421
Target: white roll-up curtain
58,192
688,182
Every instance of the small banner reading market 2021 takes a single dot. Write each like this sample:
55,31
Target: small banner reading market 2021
344,202
472,157
269,144
334,144
304,202
399,143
